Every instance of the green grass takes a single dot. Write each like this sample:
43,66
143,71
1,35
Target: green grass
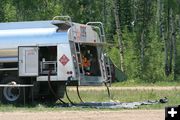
93,95
133,83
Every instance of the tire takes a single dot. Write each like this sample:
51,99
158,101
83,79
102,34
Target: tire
10,95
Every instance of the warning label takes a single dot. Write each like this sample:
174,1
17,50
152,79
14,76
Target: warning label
64,60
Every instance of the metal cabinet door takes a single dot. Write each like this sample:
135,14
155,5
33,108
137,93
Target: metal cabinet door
28,61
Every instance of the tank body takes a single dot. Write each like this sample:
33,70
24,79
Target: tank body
33,33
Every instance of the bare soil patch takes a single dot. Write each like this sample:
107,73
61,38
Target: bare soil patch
85,115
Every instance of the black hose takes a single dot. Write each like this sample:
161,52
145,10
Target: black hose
109,94
67,94
77,88
53,90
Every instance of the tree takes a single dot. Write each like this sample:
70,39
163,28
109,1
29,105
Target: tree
119,34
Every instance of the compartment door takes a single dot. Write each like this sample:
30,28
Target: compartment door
28,61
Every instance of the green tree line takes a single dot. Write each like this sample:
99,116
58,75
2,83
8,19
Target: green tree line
143,35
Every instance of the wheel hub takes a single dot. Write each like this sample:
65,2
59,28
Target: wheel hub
11,93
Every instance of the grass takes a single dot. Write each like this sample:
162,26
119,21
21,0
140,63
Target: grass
93,95
134,83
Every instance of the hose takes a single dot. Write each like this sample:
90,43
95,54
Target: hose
77,88
109,94
53,90
67,94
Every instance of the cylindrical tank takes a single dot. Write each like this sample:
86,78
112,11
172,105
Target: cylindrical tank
8,52
33,33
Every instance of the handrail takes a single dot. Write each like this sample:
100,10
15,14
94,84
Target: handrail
16,85
67,18
102,34
96,27
8,69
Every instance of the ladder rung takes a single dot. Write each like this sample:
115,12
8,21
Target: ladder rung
78,52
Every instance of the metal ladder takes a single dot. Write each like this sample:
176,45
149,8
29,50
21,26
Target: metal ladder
79,57
106,67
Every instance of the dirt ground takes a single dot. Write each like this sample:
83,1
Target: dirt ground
85,115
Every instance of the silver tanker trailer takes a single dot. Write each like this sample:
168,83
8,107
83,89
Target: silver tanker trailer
46,55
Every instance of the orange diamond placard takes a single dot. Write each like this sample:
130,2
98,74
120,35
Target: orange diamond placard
64,60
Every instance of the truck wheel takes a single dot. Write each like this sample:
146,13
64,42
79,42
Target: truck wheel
11,94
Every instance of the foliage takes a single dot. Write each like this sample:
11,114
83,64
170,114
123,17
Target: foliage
143,22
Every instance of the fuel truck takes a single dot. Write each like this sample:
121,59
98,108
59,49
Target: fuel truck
37,56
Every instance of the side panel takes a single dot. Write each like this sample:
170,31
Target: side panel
64,62
85,34
28,61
